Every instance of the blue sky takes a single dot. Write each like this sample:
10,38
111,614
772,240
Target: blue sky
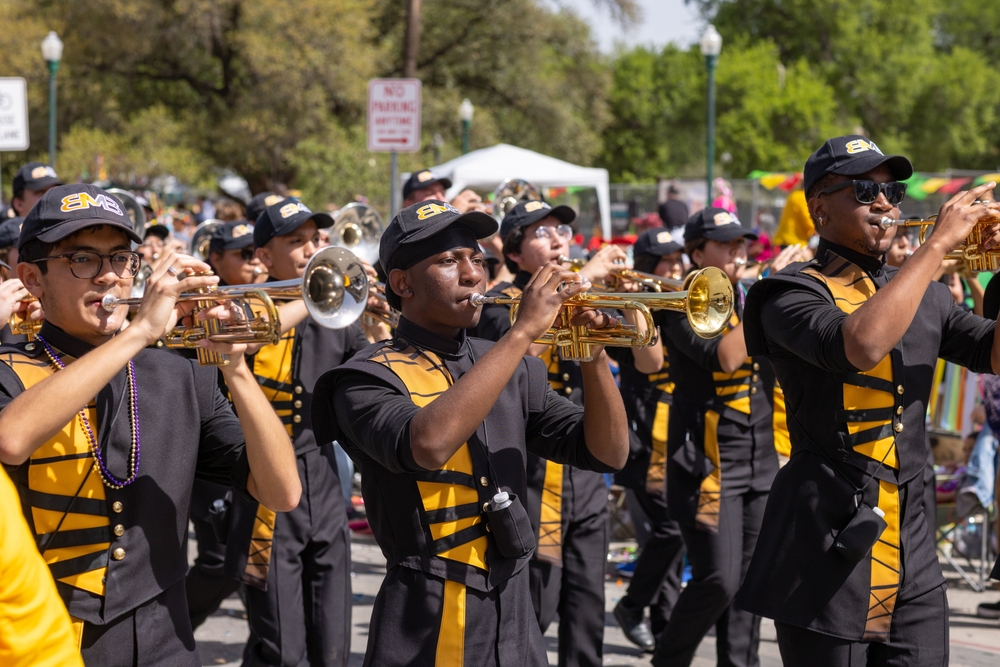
663,21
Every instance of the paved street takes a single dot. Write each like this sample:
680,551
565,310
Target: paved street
975,642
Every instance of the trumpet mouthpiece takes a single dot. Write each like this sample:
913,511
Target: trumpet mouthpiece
887,222
109,302
478,299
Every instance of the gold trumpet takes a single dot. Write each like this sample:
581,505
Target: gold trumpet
971,252
20,325
572,264
334,287
707,302
389,316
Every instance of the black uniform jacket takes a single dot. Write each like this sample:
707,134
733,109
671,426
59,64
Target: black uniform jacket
856,437
366,405
721,431
187,430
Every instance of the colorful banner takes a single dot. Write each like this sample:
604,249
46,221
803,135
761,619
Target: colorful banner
919,186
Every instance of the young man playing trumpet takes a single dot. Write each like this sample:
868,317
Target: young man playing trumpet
568,506
105,482
440,425
845,563
296,566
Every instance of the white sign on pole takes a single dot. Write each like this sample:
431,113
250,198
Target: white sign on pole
13,114
394,115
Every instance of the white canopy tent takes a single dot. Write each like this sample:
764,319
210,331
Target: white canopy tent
488,167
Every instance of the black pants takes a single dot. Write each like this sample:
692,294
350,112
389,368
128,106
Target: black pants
656,581
157,633
304,616
206,583
576,590
718,564
918,637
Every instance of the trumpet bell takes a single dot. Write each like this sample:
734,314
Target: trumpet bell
358,227
201,239
709,303
511,192
335,287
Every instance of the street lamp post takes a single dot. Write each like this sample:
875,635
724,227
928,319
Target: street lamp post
711,45
465,112
52,48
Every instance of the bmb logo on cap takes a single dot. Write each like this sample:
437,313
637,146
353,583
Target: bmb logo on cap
42,172
82,200
723,219
271,200
430,210
664,237
288,210
860,146
240,230
534,206
424,176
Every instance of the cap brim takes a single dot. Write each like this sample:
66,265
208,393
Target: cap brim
727,233
482,225
900,167
160,231
42,183
63,230
244,241
322,220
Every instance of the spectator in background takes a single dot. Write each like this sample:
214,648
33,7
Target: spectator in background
795,225
724,196
228,211
900,249
674,212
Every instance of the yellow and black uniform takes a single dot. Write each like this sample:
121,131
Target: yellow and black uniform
35,630
307,550
857,438
720,464
648,398
449,598
569,510
119,556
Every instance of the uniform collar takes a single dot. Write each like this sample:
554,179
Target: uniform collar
871,265
428,340
64,342
521,279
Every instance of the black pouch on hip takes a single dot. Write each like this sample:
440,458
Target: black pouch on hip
218,516
858,537
507,519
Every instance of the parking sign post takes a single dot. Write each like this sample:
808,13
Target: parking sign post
394,124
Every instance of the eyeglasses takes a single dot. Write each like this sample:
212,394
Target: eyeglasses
866,192
86,265
548,232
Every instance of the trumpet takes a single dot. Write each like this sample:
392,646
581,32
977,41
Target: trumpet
21,325
707,302
358,227
334,287
572,264
971,252
389,316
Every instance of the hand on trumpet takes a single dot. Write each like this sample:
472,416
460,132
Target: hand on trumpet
962,213
160,310
13,297
604,260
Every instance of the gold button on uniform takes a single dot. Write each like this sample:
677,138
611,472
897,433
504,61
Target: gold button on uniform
756,366
119,530
754,378
898,427
118,554
568,390
298,389
297,404
753,390
899,390
565,377
297,419
899,410
483,481
29,347
117,506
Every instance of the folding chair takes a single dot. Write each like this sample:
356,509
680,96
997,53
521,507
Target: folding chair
965,535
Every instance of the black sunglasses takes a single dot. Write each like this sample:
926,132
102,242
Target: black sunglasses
866,192
246,254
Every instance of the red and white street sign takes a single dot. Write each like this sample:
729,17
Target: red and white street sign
394,115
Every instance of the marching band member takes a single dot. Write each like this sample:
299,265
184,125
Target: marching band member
646,391
720,457
231,254
105,482
845,563
568,506
31,182
296,565
440,426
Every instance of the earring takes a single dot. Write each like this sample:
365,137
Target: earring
819,220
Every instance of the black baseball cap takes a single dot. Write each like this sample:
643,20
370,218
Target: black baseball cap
157,230
529,212
284,217
419,180
715,224
234,235
851,155
34,176
259,202
423,220
10,230
66,209
657,241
